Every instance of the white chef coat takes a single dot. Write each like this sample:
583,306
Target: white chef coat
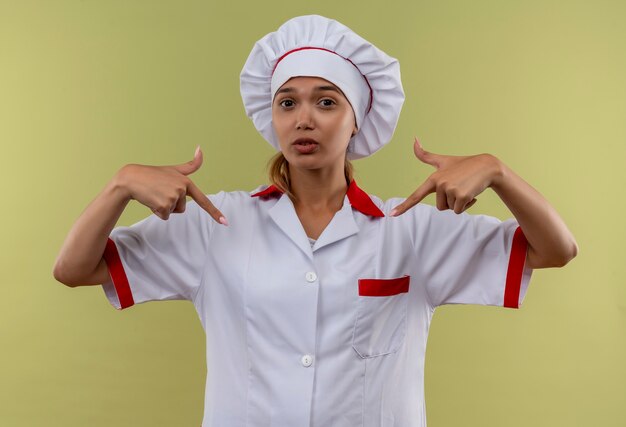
328,335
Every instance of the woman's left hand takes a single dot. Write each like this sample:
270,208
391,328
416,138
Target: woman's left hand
457,180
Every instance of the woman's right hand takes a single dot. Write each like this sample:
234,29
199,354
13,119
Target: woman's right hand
164,189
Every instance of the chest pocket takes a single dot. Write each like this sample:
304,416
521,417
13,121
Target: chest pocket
380,325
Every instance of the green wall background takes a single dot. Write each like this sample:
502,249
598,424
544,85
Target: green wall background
88,86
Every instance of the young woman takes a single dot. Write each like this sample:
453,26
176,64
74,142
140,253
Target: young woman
316,297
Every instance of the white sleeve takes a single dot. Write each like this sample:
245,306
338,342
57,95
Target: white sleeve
156,259
471,259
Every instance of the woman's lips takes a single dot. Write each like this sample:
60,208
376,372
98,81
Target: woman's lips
306,146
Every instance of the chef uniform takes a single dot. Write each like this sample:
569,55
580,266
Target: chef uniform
329,332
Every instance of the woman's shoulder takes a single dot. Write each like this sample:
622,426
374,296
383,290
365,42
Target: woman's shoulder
425,214
386,205
235,194
243,197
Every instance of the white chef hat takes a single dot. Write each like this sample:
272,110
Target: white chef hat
316,46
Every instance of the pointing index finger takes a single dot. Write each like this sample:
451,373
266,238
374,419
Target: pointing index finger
203,201
417,196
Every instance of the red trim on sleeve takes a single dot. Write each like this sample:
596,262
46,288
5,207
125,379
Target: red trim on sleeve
517,260
383,287
118,275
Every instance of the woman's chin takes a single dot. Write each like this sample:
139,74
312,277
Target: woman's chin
313,161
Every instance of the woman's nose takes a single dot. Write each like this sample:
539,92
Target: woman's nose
304,119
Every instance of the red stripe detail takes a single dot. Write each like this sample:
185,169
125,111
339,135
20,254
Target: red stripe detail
272,189
383,287
517,260
118,275
362,202
331,51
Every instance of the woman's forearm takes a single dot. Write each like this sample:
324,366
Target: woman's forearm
80,259
550,242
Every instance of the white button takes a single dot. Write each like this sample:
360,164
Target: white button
307,360
311,277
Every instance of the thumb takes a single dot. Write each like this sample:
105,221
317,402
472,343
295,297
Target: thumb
426,157
190,167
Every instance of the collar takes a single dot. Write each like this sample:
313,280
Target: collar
358,199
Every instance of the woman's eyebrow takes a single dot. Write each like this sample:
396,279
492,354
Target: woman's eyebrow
317,89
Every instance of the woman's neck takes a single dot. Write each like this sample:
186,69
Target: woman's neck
319,189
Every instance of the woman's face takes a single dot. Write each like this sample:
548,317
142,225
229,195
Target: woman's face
313,121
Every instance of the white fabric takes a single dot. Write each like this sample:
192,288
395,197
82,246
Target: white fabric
289,340
381,71
329,66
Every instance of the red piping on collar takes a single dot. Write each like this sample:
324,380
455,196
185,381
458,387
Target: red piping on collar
358,199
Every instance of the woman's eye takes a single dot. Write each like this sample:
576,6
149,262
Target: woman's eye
287,103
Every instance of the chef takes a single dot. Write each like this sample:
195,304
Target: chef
315,296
